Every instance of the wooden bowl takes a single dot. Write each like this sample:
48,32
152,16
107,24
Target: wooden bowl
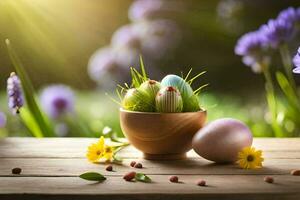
161,135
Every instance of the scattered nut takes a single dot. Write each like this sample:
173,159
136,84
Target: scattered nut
109,168
138,165
295,172
129,176
201,182
269,179
132,164
16,170
173,179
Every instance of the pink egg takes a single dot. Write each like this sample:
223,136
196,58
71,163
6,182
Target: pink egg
221,140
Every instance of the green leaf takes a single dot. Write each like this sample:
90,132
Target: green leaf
187,75
195,77
143,68
198,90
29,93
117,159
287,89
30,123
142,178
273,109
92,176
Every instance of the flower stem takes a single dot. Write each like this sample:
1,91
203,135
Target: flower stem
287,63
272,104
122,145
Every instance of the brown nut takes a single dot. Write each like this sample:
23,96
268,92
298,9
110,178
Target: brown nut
269,179
16,170
201,182
138,165
109,168
295,172
132,163
129,176
173,179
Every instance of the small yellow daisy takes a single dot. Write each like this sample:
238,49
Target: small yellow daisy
99,150
249,158
95,152
108,152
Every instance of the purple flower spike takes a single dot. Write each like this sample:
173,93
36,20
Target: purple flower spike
14,93
250,44
57,100
2,120
290,15
253,47
277,32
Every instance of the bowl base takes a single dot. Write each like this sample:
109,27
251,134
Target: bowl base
180,156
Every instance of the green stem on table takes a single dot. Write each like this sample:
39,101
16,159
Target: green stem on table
122,145
272,104
287,63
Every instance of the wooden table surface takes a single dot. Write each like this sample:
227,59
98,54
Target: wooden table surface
50,169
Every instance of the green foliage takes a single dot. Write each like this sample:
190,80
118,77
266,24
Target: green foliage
92,176
30,122
33,115
288,90
137,100
138,78
142,178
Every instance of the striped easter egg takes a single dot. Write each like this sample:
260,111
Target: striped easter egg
168,100
150,87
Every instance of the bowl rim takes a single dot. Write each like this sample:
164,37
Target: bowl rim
159,113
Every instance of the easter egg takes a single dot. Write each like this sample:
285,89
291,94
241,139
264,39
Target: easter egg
221,140
137,100
151,87
184,88
168,100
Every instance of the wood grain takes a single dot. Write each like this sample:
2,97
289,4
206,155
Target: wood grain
50,169
76,148
217,186
76,166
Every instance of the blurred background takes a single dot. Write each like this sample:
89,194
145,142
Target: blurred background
89,45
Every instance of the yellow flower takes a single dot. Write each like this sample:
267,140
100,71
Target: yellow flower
108,152
249,158
100,150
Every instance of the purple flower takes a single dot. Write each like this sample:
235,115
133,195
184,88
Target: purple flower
296,61
158,37
277,31
149,9
14,93
250,44
153,39
290,15
296,70
57,100
2,120
108,66
126,37
101,62
253,47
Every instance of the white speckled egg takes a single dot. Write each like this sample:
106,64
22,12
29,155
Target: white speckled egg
221,140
